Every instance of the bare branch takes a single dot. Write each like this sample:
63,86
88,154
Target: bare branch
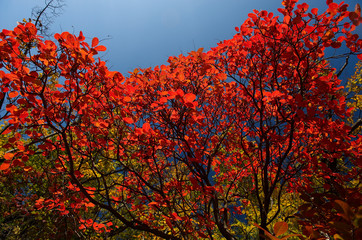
43,17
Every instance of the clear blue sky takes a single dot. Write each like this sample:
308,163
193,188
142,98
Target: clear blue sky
144,33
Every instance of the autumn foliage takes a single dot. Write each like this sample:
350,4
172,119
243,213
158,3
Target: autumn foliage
182,151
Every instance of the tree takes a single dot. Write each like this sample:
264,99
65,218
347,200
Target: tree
333,209
179,151
354,87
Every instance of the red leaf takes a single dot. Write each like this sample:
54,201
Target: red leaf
146,127
303,7
6,131
180,92
352,16
175,216
253,16
336,44
95,42
333,8
202,235
17,163
81,227
57,36
25,158
194,182
168,222
31,27
39,201
81,37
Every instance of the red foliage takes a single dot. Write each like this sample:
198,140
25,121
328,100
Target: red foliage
181,137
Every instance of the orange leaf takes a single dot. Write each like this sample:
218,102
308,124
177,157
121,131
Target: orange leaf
328,35
345,210
286,19
268,234
95,42
27,168
13,94
153,205
280,228
8,156
128,120
127,99
4,166
100,48
189,97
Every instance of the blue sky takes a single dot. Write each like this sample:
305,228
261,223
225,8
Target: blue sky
144,33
